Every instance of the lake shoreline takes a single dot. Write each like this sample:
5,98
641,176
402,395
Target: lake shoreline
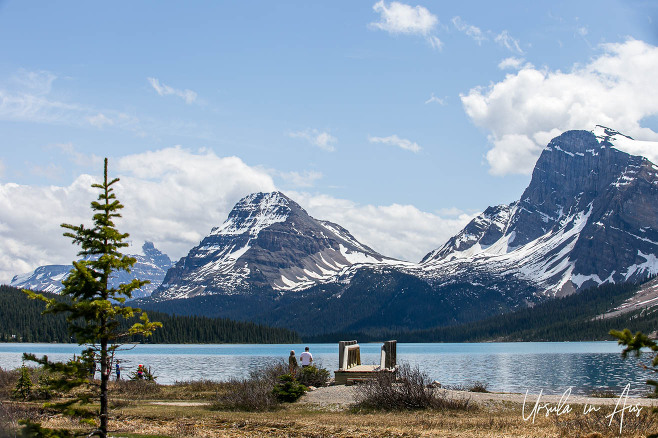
504,367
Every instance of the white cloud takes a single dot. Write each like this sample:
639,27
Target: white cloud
472,31
30,101
394,140
76,157
37,82
172,197
434,99
400,231
435,42
513,63
504,39
2,169
100,120
526,109
400,18
323,140
51,171
306,178
30,98
188,96
507,41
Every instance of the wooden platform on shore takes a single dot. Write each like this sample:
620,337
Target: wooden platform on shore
357,374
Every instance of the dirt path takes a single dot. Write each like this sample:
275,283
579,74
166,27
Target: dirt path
340,397
179,403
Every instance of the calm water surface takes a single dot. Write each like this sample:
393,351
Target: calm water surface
509,367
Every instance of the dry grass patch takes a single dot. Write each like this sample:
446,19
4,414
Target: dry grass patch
296,420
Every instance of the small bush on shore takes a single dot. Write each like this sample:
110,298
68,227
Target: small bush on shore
254,393
135,389
8,381
24,385
11,413
313,376
604,393
288,389
406,390
477,386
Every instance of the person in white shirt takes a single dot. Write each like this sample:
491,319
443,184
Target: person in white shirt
306,358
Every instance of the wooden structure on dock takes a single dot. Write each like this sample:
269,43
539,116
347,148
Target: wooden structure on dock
350,370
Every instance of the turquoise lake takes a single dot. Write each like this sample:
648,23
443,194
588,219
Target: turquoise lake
510,367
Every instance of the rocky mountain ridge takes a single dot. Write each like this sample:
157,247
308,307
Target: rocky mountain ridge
589,216
151,266
267,241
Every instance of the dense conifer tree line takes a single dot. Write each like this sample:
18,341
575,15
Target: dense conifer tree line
21,321
572,318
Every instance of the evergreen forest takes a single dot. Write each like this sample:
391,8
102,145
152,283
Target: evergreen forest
572,318
21,321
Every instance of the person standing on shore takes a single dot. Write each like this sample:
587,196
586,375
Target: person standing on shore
118,370
306,357
292,363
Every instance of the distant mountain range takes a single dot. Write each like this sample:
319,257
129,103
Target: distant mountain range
151,266
589,216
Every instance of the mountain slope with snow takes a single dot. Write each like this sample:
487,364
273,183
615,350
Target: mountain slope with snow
588,216
151,266
267,241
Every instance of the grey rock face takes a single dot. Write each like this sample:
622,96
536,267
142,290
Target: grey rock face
268,241
151,266
588,216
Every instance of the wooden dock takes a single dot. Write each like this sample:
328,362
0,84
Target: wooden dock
352,371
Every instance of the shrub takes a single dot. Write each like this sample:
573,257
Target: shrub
195,390
604,393
406,390
247,395
477,386
8,381
312,376
24,385
254,393
288,389
135,389
147,375
12,413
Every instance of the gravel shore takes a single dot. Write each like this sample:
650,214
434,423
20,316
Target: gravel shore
341,397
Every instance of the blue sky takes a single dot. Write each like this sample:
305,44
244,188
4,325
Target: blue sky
397,120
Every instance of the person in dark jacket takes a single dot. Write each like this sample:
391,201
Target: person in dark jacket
292,363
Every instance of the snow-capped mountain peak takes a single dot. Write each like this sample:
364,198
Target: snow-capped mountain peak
253,213
269,241
588,216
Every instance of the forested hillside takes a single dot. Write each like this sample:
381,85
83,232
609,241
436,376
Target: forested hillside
21,321
573,318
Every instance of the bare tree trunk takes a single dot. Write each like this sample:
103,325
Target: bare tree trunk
104,378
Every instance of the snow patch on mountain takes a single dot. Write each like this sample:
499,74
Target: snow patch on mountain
261,212
588,217
150,265
624,143
268,240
